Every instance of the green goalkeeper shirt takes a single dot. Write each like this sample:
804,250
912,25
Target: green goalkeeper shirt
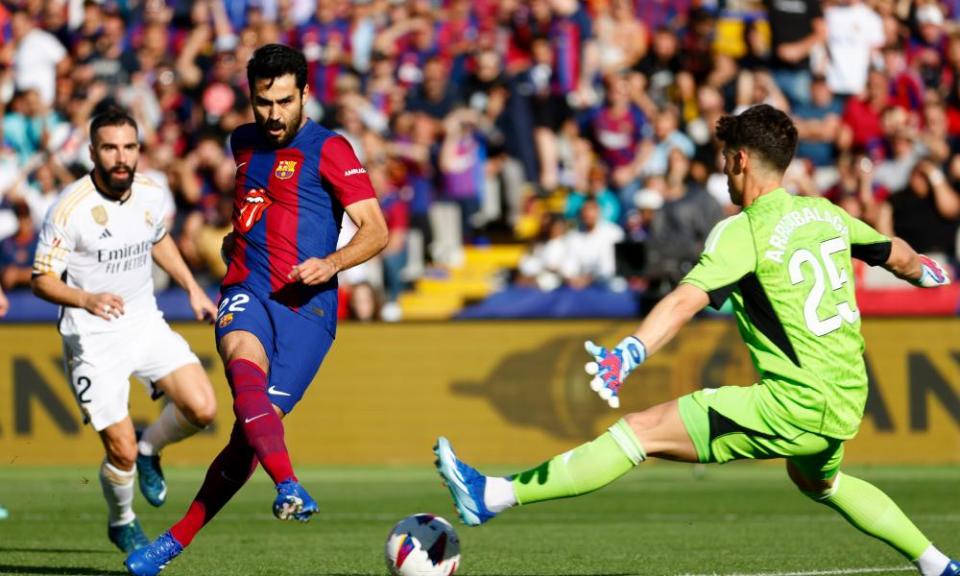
785,262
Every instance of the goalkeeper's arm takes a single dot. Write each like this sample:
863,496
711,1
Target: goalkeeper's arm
669,315
920,270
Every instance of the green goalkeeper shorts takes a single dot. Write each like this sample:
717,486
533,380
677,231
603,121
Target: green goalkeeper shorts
733,423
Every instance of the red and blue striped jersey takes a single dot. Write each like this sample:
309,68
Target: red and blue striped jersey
288,206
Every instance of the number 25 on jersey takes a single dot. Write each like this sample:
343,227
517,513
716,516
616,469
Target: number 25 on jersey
837,278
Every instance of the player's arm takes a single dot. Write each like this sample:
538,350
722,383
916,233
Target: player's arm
728,256
50,262
919,270
53,289
895,255
167,256
351,186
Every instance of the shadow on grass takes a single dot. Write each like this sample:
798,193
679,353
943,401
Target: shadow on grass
80,571
56,550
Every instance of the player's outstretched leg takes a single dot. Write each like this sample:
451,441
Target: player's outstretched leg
229,471
876,514
264,432
579,471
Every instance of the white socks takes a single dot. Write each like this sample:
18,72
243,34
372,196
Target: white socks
498,494
932,562
170,427
117,487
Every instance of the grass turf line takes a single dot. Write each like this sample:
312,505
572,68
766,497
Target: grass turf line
740,519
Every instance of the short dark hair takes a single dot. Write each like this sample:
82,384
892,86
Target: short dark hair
275,60
112,116
764,130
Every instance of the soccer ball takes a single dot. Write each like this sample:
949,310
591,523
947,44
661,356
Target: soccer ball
423,545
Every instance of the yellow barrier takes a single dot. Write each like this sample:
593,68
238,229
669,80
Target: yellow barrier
504,392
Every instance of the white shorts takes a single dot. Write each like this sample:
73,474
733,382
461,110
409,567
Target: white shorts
99,366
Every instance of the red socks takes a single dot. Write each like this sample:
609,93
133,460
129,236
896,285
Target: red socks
262,427
229,471
257,436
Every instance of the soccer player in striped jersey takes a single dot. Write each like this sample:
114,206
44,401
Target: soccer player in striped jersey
95,259
785,262
278,308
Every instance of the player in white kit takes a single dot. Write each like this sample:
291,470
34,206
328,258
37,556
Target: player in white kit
94,259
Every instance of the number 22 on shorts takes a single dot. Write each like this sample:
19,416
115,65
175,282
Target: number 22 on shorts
230,305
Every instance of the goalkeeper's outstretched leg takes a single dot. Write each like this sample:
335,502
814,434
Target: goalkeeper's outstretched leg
656,432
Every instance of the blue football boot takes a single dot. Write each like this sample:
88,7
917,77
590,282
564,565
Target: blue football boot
466,485
150,476
128,537
952,569
293,502
154,557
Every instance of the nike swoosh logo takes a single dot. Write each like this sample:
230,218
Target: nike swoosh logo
241,165
249,420
273,390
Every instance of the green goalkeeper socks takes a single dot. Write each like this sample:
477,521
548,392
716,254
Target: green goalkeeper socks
583,469
874,513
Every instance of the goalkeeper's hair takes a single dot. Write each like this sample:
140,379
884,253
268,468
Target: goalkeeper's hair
112,116
763,130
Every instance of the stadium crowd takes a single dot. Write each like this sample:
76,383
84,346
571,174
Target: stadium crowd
572,126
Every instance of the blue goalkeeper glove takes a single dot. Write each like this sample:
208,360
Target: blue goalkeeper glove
932,274
611,367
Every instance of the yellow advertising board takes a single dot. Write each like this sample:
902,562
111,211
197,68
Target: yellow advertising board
504,392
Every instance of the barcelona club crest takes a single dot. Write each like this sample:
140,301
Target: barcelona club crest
226,319
285,169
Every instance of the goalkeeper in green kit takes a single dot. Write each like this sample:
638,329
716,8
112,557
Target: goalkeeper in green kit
785,262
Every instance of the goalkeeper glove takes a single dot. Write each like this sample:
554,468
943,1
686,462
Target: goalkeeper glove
932,274
611,367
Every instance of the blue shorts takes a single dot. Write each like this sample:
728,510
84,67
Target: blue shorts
295,345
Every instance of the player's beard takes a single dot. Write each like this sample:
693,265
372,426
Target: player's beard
290,129
117,184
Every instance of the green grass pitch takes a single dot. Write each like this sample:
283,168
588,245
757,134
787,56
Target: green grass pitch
743,519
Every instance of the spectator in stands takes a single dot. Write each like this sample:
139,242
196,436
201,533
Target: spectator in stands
463,166
542,266
393,77
666,138
862,128
818,124
618,129
927,213
621,37
597,189
38,58
17,251
661,66
857,193
855,37
590,257
797,31
436,96
364,302
680,227
927,49
646,204
394,193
